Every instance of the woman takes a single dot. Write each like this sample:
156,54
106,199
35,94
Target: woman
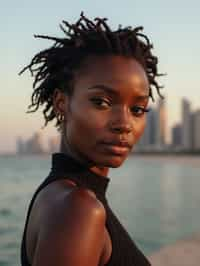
96,83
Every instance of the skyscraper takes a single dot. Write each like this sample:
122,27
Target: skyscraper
162,124
176,136
186,125
33,145
152,127
150,136
196,128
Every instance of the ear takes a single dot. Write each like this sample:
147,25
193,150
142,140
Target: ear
60,102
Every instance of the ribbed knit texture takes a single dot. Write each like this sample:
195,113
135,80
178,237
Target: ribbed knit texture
124,250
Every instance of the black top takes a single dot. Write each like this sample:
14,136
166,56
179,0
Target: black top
124,250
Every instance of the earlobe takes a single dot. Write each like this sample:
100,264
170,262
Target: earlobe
60,101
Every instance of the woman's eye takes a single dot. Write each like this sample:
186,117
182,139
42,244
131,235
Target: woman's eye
138,110
101,102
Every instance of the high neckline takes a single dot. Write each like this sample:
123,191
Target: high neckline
65,165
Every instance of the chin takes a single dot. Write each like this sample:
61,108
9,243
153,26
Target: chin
113,162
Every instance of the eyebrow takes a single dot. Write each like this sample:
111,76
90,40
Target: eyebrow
103,87
112,91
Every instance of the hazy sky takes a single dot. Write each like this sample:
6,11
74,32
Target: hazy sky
173,26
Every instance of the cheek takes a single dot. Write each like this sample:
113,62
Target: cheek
85,125
91,122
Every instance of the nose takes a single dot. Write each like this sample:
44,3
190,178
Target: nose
122,121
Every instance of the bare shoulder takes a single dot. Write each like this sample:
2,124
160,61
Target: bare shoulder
74,201
79,202
72,231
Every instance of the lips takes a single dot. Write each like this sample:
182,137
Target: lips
117,147
118,143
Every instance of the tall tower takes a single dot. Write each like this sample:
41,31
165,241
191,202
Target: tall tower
162,123
149,137
186,124
176,136
197,130
152,126
35,144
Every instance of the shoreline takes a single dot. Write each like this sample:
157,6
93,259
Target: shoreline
181,158
193,160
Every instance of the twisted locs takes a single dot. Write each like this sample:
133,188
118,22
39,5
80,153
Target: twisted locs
54,67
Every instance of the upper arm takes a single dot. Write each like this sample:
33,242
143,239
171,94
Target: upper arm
73,234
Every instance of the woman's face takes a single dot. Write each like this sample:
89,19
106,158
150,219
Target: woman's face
105,115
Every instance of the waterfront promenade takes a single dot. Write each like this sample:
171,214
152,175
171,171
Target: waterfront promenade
183,253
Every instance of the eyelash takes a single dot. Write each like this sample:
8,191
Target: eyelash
139,108
98,102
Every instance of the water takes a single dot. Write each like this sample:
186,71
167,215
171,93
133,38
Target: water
156,199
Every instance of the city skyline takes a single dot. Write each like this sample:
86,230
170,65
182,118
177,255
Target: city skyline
172,26
184,134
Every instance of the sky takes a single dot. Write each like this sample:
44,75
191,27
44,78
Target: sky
173,27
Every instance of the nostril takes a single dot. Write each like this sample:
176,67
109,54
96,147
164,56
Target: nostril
122,120
122,128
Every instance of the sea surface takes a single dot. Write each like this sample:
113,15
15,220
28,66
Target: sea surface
157,199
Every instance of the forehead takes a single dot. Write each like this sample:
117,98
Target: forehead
118,72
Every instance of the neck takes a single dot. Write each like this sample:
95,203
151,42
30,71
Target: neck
100,170
66,149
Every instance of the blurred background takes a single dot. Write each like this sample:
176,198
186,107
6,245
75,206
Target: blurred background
157,200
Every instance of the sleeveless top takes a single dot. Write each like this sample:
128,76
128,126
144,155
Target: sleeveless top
124,250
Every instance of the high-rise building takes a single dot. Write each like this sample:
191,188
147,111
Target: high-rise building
152,127
143,143
34,145
186,125
196,128
20,145
176,136
150,136
162,124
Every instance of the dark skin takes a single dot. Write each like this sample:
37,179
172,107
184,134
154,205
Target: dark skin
103,119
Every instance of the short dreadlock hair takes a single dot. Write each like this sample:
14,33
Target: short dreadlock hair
54,67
